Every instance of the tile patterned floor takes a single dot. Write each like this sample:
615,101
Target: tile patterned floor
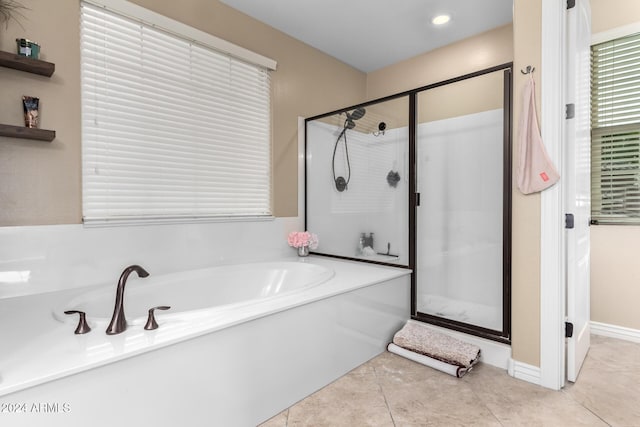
392,391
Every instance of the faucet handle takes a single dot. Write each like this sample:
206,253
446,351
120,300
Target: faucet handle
83,326
151,320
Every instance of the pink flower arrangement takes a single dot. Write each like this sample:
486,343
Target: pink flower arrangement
299,239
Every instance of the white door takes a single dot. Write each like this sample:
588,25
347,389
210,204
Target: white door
577,183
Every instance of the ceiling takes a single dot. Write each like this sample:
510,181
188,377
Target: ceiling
371,34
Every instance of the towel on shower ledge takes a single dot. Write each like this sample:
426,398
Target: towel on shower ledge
536,171
419,338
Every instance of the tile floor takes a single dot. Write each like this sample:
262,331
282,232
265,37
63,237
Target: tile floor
392,391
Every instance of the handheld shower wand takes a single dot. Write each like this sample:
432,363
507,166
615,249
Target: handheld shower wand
340,182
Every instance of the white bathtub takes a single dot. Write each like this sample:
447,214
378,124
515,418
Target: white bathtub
223,287
235,364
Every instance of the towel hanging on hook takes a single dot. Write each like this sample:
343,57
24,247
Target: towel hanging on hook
536,171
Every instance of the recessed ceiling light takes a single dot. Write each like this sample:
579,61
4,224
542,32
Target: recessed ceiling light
441,19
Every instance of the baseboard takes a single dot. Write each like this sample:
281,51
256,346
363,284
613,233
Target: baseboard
495,354
529,373
613,331
524,371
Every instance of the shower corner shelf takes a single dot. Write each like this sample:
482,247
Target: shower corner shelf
379,257
27,133
29,65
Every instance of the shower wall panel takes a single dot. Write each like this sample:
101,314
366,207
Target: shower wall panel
369,204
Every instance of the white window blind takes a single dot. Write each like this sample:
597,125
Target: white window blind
171,129
615,131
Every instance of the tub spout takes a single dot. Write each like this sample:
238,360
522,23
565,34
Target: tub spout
118,321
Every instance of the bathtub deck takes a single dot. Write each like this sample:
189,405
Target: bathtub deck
39,348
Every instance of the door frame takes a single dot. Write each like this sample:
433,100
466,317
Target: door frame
552,244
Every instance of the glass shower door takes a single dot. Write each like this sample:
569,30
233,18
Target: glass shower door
462,222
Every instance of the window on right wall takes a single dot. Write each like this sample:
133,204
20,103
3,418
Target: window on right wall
615,131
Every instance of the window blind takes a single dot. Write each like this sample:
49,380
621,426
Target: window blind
615,131
171,129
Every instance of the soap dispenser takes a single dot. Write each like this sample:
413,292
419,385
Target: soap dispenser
361,244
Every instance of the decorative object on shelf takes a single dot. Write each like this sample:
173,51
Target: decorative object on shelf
10,9
303,241
30,105
28,48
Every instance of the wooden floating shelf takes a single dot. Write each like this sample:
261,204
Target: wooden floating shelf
27,133
24,63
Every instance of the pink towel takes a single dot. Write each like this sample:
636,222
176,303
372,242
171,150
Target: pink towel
536,171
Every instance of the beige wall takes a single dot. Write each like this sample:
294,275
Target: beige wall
615,270
40,183
482,93
476,53
615,275
470,96
527,43
608,14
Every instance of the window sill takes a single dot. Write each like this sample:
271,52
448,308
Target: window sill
128,222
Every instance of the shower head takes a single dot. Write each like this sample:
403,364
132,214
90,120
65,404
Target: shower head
356,114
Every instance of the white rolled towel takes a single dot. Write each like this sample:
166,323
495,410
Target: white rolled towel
447,368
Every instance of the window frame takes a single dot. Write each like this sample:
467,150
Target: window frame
602,140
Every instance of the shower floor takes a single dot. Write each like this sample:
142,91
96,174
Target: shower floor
482,315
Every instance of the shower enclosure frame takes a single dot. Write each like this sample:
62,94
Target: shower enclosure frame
411,168
504,335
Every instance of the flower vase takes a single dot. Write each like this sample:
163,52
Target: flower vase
303,251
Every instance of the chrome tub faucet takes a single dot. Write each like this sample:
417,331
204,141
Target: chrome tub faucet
118,321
